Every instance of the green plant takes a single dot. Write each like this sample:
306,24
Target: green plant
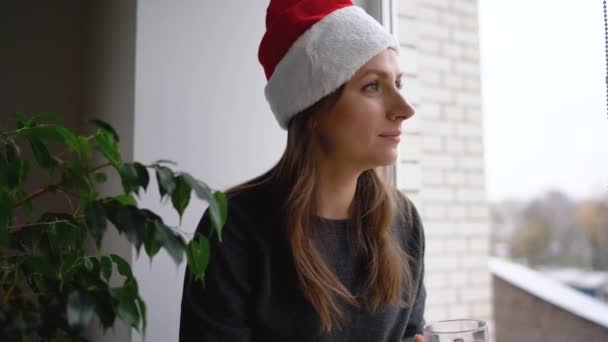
49,287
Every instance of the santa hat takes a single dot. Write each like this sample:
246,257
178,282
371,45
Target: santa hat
312,47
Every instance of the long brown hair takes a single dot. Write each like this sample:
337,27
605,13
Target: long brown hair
375,206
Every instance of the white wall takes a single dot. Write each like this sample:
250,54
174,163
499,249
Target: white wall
199,101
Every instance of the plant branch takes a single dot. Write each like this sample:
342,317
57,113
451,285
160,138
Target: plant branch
50,188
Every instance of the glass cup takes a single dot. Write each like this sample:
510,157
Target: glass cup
457,330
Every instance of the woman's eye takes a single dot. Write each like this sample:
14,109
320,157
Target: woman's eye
373,86
399,85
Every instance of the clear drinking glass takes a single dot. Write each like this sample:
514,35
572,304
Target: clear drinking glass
457,330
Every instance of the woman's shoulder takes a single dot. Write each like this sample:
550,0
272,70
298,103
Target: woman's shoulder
408,220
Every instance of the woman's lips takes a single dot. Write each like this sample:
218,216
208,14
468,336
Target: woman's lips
392,136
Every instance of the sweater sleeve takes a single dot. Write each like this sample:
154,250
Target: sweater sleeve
218,311
416,322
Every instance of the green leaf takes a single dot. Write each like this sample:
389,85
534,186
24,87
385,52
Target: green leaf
142,175
107,145
165,161
42,133
198,252
173,243
222,204
106,127
129,177
122,266
84,148
79,309
105,264
41,154
88,263
151,244
142,312
69,138
101,177
6,212
217,203
128,312
166,184
95,218
126,199
181,196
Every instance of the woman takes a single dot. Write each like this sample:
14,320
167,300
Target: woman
319,248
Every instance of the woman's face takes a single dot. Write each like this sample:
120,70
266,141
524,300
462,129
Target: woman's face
363,128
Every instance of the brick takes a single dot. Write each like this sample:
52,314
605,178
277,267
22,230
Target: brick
453,81
432,143
465,129
457,311
409,176
437,194
427,14
457,212
435,280
470,53
481,310
435,211
445,161
468,195
478,278
434,313
443,4
430,110
476,179
464,7
473,145
467,99
442,297
472,84
455,145
430,78
473,229
410,147
441,263
467,68
434,246
449,19
475,294
433,62
408,60
456,245
429,30
453,112
458,278
469,23
438,228
413,125
454,178
439,128
478,211
410,90
428,46
473,114
407,33
407,8
432,177
468,37
479,244
469,163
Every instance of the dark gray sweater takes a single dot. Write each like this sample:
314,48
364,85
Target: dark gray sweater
251,291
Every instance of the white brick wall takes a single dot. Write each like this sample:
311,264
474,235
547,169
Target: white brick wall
442,165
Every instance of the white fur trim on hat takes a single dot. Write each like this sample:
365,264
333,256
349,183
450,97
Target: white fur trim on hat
323,58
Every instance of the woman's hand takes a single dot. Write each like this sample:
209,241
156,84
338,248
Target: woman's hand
420,338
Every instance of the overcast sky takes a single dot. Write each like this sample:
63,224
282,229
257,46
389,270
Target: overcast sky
544,97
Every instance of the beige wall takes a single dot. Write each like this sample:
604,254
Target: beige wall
521,316
442,167
74,59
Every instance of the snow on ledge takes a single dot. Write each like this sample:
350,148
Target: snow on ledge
550,290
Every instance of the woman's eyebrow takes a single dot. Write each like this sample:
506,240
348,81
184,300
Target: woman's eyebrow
380,73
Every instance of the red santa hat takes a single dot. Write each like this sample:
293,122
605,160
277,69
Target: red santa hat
312,47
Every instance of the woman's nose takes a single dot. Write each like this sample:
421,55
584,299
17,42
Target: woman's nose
400,109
